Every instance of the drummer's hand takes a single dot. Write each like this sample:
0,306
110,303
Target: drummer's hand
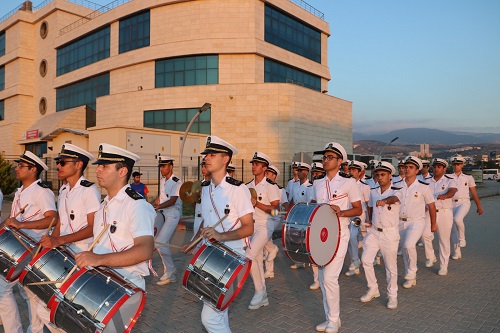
380,203
336,209
87,258
184,249
254,201
50,242
12,223
368,224
210,233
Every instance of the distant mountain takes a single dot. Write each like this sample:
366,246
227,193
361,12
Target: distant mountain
412,136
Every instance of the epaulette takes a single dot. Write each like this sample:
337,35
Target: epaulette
309,185
205,183
320,176
133,194
362,182
345,175
43,184
422,182
86,183
246,183
368,177
280,187
270,181
175,179
448,177
374,188
395,188
233,181
399,181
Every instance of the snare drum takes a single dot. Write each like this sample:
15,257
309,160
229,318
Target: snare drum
216,275
159,222
13,255
48,265
97,300
311,234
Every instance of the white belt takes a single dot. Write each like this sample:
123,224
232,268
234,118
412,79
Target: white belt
461,199
442,210
404,219
386,229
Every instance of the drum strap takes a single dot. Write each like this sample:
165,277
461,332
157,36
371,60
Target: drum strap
214,207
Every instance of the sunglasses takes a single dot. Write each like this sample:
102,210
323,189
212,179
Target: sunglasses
63,162
329,158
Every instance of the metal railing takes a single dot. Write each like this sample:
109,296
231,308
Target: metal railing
309,8
97,12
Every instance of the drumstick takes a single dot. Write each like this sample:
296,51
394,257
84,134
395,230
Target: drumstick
169,245
46,233
96,240
201,237
44,282
17,214
22,243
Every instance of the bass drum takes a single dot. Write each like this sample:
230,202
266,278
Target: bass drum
14,257
216,275
311,234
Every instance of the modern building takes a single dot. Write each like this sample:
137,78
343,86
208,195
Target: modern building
135,72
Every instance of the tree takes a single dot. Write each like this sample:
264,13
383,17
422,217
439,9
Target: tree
8,182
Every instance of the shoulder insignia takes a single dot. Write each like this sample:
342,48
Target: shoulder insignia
309,185
175,179
395,188
345,175
270,181
205,183
399,181
368,177
448,177
245,183
374,188
320,176
362,182
133,194
233,181
279,187
422,182
86,183
43,184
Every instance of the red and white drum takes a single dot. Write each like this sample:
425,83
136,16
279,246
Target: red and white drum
311,234
216,275
13,255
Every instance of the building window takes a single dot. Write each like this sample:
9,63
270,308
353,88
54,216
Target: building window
82,93
2,110
42,106
178,120
84,51
2,77
187,71
2,43
43,68
134,32
292,35
44,29
278,72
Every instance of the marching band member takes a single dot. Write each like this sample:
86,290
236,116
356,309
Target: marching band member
292,182
356,170
427,236
270,249
268,199
169,202
338,191
33,220
415,195
401,169
444,188
223,195
461,204
382,234
197,208
128,243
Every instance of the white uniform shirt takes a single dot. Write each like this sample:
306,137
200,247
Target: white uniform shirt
396,179
302,192
364,191
132,218
370,182
73,207
39,200
413,200
289,187
170,188
232,198
441,186
463,182
267,192
339,191
425,179
385,216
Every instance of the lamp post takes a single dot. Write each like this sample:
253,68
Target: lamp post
388,143
204,107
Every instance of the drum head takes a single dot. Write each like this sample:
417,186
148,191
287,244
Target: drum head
323,235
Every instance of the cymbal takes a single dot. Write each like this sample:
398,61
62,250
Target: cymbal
253,193
196,188
186,194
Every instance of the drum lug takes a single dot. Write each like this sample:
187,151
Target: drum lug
190,267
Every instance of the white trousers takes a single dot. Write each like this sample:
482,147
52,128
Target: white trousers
460,210
329,279
410,232
255,251
269,247
427,238
9,312
353,243
164,236
36,323
387,243
444,220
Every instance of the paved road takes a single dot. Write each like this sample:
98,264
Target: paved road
467,300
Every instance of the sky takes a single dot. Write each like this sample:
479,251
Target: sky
426,63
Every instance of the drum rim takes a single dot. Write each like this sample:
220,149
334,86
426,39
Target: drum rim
10,272
192,262
240,286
